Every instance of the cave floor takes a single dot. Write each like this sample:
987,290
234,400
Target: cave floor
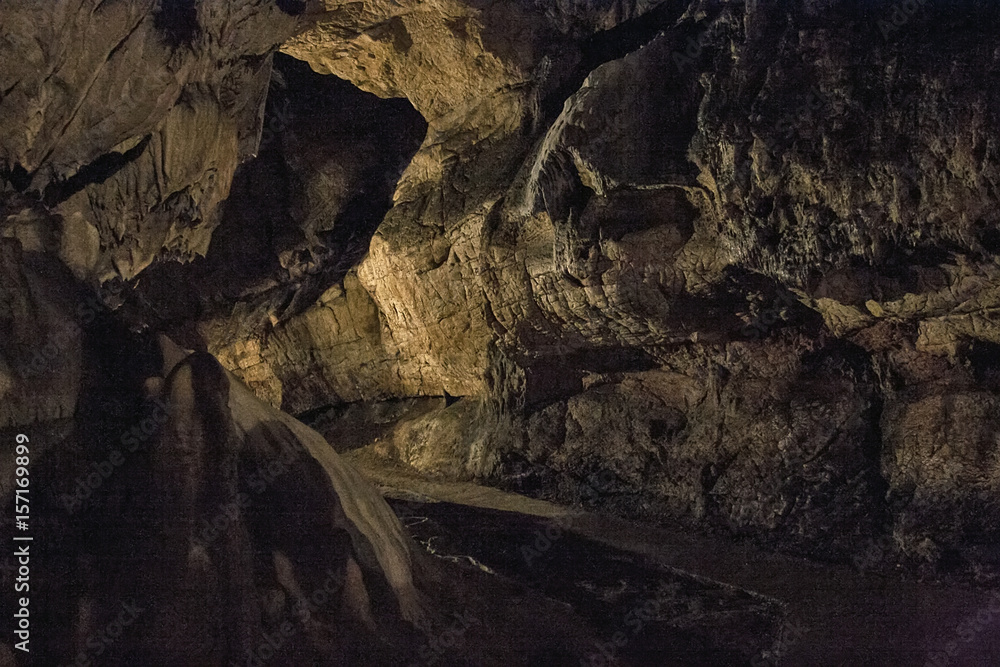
797,611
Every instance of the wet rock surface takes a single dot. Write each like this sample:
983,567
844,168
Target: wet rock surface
641,614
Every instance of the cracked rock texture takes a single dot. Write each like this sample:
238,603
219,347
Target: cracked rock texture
181,515
740,259
736,260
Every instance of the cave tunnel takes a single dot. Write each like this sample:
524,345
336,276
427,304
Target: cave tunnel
448,332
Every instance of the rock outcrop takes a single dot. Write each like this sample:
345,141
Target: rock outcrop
231,523
184,520
735,257
133,134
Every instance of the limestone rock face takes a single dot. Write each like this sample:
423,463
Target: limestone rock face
228,485
738,260
485,79
41,363
608,242
757,440
179,506
192,523
183,517
793,205
132,135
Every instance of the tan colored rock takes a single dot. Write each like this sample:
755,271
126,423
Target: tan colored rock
940,440
339,349
126,135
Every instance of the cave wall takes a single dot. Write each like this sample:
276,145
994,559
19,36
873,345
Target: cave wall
123,125
736,258
742,257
